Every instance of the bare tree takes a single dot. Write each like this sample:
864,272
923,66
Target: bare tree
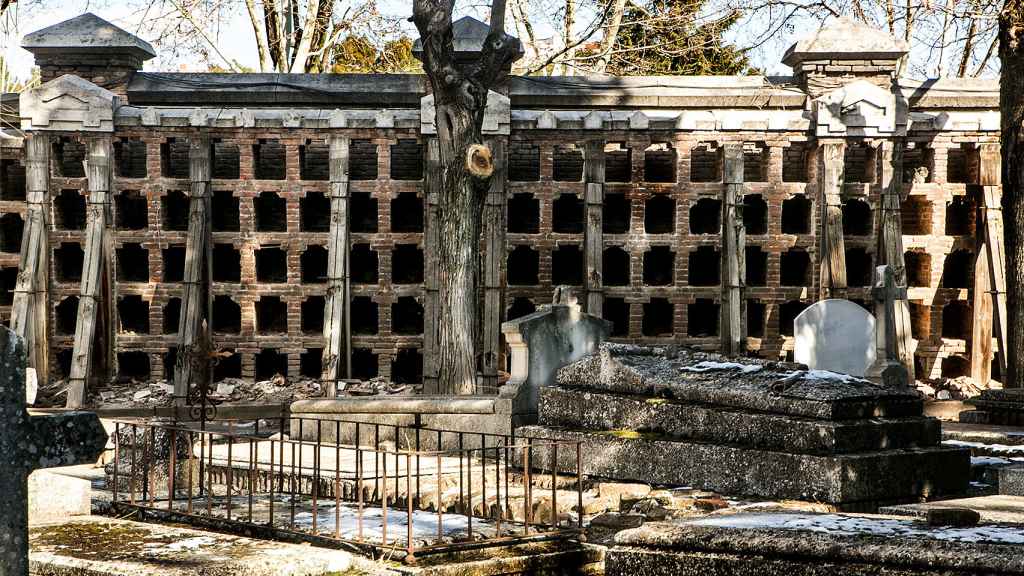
1011,107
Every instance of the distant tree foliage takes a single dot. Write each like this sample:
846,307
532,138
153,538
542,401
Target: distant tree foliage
357,54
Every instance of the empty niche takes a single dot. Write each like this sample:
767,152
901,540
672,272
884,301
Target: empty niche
314,160
616,311
858,267
794,162
314,212
919,268
788,311
133,314
660,163
311,362
271,212
407,366
618,162
364,316
859,163
132,263
174,263
523,214
755,215
174,158
704,266
705,163
226,161
12,180
66,313
958,269
520,307
64,361
270,363
702,318
364,364
658,315
616,212
755,162
363,212
174,208
227,263
69,210
796,215
406,316
227,315
271,315
856,217
706,216
67,261
11,228
170,361
407,160
363,265
523,162
660,214
795,268
523,266
8,282
755,318
960,214
567,265
172,316
407,264
567,214
756,266
227,366
133,366
659,266
268,157
312,315
567,163
920,320
918,163
225,217
130,158
407,213
313,263
615,266
916,215
362,160
69,157
955,366
957,169
956,320
271,265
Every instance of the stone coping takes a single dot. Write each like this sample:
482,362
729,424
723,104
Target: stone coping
403,404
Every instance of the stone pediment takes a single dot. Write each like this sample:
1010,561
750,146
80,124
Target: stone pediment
68,103
857,109
497,115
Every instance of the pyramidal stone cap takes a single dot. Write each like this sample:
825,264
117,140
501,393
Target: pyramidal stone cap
87,33
468,36
846,39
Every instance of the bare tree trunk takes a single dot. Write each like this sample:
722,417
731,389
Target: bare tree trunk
1011,106
965,58
570,20
257,29
610,34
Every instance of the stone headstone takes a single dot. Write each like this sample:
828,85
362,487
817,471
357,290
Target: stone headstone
835,335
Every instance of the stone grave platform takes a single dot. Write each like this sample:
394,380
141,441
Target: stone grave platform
997,508
755,428
1005,407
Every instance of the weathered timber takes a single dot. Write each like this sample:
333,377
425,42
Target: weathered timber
593,178
733,246
833,252
431,239
337,358
990,179
494,256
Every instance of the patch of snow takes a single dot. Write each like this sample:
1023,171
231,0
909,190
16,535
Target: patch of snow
424,524
707,366
989,461
194,543
997,448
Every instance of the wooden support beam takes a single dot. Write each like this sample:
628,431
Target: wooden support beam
195,295
831,156
30,309
494,257
337,358
990,179
95,271
593,178
431,241
732,332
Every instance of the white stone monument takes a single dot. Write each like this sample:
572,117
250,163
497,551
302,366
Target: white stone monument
835,335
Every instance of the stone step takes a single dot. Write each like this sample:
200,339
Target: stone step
997,508
565,408
848,481
1011,480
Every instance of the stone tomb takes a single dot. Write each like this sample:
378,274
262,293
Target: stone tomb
836,335
754,428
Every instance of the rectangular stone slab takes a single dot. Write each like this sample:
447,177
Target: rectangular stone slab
591,410
889,476
749,384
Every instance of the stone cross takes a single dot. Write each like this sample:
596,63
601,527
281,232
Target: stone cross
888,367
28,443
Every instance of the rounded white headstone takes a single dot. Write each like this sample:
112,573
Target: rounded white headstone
836,335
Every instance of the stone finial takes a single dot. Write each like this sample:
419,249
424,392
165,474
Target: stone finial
468,35
68,103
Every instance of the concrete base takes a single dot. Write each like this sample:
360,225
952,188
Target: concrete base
53,497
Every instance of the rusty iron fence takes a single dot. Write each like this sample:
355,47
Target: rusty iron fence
392,490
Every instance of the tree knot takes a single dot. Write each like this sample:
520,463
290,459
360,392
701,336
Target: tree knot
478,161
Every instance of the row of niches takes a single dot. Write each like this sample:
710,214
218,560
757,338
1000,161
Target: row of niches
271,264
659,267
405,365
